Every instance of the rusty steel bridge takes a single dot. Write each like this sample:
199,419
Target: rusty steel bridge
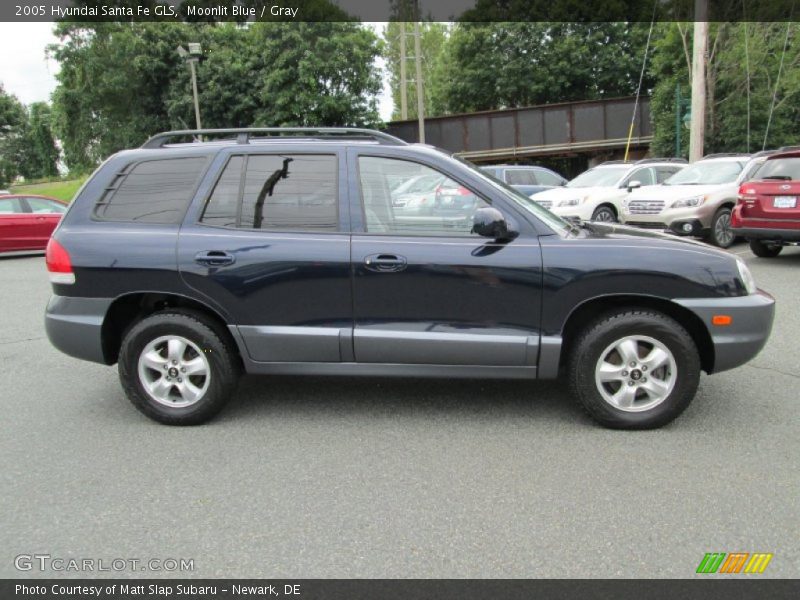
588,128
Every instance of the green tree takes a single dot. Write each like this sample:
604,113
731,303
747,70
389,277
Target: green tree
319,73
112,84
513,64
727,64
13,122
40,153
121,82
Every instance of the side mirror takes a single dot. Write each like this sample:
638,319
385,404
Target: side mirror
635,184
490,222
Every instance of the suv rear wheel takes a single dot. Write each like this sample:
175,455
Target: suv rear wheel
634,369
721,234
765,250
177,369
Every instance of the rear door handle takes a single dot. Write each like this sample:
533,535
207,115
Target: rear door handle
385,263
214,258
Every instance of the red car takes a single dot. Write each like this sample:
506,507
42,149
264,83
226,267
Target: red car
768,211
26,221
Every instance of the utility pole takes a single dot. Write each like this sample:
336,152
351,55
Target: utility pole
403,82
699,50
418,62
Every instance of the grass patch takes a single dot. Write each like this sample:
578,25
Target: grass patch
63,190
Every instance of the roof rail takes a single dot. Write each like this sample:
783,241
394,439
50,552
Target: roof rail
787,149
615,162
761,153
644,161
243,135
726,154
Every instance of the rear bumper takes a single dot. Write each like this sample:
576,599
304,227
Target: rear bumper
760,233
74,326
751,324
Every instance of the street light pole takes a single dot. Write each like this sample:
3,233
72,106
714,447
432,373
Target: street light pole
192,56
192,62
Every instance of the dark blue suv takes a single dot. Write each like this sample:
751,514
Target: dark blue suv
204,254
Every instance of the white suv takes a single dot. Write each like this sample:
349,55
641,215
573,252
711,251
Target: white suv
597,194
697,201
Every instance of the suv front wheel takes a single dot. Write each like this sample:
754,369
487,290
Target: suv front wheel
721,234
176,368
634,369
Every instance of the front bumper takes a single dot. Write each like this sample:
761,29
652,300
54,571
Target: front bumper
699,216
74,326
751,324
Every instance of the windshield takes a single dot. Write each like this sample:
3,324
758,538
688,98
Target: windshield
782,169
707,173
554,222
599,177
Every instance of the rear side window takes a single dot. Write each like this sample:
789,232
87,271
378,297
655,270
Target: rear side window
153,191
520,177
10,206
276,192
548,178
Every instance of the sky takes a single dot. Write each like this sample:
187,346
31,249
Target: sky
26,73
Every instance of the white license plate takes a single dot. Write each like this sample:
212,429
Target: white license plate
785,201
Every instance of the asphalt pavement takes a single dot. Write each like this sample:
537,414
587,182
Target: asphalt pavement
369,478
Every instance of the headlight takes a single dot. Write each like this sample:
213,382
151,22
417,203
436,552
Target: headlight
746,276
570,202
689,202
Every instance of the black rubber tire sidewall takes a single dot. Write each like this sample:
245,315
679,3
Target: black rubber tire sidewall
763,250
713,232
601,209
222,360
613,326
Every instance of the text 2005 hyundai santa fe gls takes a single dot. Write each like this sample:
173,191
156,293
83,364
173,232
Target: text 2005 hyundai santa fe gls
282,252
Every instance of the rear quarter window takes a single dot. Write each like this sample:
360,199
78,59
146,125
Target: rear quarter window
152,191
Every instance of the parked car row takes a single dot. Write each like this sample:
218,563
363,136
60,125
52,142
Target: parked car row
767,213
695,199
26,221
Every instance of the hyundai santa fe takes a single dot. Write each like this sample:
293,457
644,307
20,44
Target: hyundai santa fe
283,251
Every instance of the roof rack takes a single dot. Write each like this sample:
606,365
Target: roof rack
644,161
725,155
243,135
761,153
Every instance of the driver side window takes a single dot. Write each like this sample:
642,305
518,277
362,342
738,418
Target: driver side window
401,197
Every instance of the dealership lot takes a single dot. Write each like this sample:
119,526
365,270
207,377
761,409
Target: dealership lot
323,477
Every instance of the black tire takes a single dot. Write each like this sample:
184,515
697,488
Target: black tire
604,214
598,336
764,250
221,360
720,233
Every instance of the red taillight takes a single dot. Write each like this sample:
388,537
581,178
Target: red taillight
452,191
747,193
59,265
